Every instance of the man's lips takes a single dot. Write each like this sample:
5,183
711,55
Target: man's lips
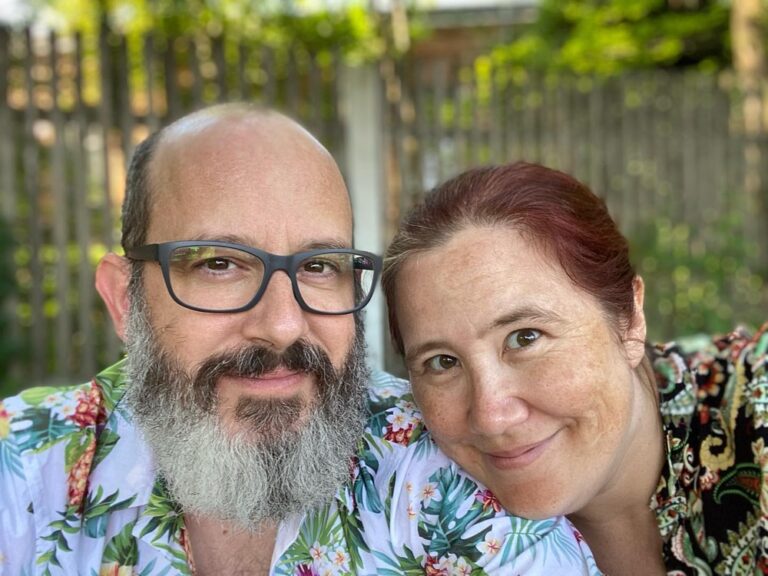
520,456
277,382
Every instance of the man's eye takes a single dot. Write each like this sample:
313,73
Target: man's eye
319,267
442,362
522,338
216,264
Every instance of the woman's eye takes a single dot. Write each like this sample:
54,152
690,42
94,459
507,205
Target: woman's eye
522,338
442,362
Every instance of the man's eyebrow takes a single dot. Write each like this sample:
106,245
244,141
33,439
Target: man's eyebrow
330,243
321,244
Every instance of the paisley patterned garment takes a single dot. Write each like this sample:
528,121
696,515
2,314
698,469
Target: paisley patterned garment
79,496
712,499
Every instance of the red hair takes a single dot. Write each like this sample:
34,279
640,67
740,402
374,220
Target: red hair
554,209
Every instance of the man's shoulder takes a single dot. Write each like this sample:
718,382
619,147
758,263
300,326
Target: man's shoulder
393,415
385,389
40,417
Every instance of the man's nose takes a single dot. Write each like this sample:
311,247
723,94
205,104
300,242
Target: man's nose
496,405
277,320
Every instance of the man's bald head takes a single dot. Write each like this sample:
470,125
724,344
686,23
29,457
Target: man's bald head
215,124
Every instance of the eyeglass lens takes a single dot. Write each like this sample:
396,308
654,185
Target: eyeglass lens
220,278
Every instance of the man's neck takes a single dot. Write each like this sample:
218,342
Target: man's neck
218,547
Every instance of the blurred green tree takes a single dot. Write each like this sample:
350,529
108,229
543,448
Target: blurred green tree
607,37
350,28
697,284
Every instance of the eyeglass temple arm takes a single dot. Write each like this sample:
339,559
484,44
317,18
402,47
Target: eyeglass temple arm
149,252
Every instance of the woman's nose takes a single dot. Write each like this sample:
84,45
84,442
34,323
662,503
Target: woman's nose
496,404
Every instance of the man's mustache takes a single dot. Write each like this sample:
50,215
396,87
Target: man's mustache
255,361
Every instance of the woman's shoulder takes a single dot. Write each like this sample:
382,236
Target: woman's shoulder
714,404
703,365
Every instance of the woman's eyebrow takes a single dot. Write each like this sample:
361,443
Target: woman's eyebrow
526,313
421,349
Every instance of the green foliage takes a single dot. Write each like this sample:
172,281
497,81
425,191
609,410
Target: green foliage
9,348
606,37
351,29
695,288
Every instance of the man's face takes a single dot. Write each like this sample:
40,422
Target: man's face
265,185
252,415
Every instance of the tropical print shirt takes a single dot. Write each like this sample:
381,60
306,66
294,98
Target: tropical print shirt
711,502
79,496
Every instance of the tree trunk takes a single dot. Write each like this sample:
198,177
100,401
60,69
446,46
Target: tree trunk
748,31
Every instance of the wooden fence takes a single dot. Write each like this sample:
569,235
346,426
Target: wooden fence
659,147
655,143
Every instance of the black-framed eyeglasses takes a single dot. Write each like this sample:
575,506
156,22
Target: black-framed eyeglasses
212,276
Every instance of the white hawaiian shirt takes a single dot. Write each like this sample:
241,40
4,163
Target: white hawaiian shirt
79,496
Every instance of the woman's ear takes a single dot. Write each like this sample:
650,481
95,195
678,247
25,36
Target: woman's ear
634,337
112,276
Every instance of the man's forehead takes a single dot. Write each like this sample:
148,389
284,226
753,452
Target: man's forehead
212,175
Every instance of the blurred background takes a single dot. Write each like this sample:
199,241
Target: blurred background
661,106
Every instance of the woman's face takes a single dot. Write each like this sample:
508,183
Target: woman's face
521,378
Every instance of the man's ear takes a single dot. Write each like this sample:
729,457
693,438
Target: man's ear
634,338
112,276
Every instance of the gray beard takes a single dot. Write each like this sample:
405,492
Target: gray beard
272,466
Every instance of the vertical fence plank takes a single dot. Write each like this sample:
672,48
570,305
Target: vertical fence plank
125,110
149,73
268,94
217,48
496,118
511,122
170,78
197,77
113,344
35,239
423,135
60,215
8,195
596,145
7,139
80,170
315,98
440,89
459,135
292,88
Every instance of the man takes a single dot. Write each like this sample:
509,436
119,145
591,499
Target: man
223,444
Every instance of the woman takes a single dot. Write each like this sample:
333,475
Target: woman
520,319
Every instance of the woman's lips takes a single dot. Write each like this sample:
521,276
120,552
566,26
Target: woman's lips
521,456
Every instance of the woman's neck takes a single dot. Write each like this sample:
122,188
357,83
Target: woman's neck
618,523
627,544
